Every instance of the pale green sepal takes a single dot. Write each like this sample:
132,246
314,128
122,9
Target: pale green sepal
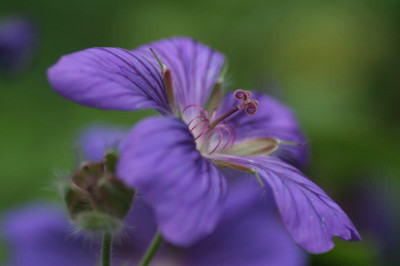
215,98
253,147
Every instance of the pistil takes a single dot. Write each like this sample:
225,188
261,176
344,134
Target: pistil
248,105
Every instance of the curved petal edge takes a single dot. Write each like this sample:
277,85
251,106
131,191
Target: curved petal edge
309,214
110,78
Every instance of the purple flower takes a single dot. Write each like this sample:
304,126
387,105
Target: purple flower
249,234
39,235
178,164
96,139
17,43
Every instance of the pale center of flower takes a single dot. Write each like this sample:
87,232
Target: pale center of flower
211,134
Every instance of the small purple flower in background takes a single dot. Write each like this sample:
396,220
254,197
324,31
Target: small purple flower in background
40,235
17,43
249,232
177,164
96,139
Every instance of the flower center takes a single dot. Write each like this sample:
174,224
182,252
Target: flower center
214,136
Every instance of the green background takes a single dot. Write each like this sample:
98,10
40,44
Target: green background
336,63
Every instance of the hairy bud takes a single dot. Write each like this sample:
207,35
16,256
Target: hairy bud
96,200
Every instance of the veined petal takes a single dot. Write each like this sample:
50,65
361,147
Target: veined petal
159,158
194,67
96,140
272,120
309,214
110,78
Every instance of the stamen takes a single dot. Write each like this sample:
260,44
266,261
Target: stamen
203,112
223,117
199,123
242,94
203,130
232,130
194,119
229,136
248,105
226,137
251,107
218,136
219,141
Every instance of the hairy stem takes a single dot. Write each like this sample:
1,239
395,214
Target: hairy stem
106,250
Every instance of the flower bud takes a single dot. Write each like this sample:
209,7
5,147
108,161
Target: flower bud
96,200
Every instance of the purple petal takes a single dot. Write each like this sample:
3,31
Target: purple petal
310,215
194,66
17,43
186,191
274,120
110,78
95,140
250,233
39,235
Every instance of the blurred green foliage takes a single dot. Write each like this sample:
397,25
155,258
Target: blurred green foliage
336,63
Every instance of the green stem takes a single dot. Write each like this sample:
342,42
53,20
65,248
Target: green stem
106,250
152,250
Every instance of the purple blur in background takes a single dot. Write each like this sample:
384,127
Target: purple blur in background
97,138
40,235
18,37
374,204
250,233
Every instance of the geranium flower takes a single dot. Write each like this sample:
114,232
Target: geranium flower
178,163
39,235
